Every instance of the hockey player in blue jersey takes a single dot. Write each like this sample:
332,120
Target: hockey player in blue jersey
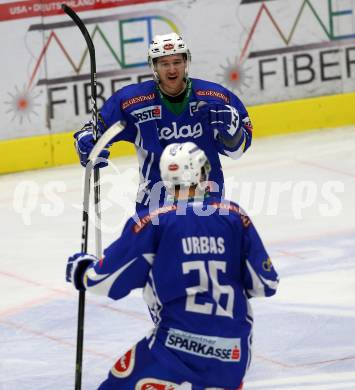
199,260
172,108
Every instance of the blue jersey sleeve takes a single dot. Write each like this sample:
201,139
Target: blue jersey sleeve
111,112
259,276
125,265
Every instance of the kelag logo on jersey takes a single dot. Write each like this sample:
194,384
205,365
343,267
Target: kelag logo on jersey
224,349
147,113
186,131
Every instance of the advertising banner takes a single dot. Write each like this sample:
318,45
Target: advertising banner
265,51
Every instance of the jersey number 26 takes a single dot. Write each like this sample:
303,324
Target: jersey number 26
206,274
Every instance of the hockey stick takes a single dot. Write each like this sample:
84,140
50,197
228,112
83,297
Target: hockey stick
92,160
84,238
91,49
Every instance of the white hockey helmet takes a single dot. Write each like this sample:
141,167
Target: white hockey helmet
184,165
166,45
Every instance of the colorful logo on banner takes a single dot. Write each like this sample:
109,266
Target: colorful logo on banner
76,84
294,64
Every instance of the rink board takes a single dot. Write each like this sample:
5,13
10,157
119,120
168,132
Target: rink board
268,119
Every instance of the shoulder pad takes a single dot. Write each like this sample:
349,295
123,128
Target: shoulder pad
145,218
210,92
137,95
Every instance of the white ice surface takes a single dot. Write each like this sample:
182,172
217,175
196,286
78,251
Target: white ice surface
304,337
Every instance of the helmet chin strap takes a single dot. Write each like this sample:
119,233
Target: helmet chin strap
155,74
187,69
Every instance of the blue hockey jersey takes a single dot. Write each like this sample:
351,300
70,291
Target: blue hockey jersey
198,264
151,126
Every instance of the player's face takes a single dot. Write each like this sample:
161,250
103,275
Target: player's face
171,72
